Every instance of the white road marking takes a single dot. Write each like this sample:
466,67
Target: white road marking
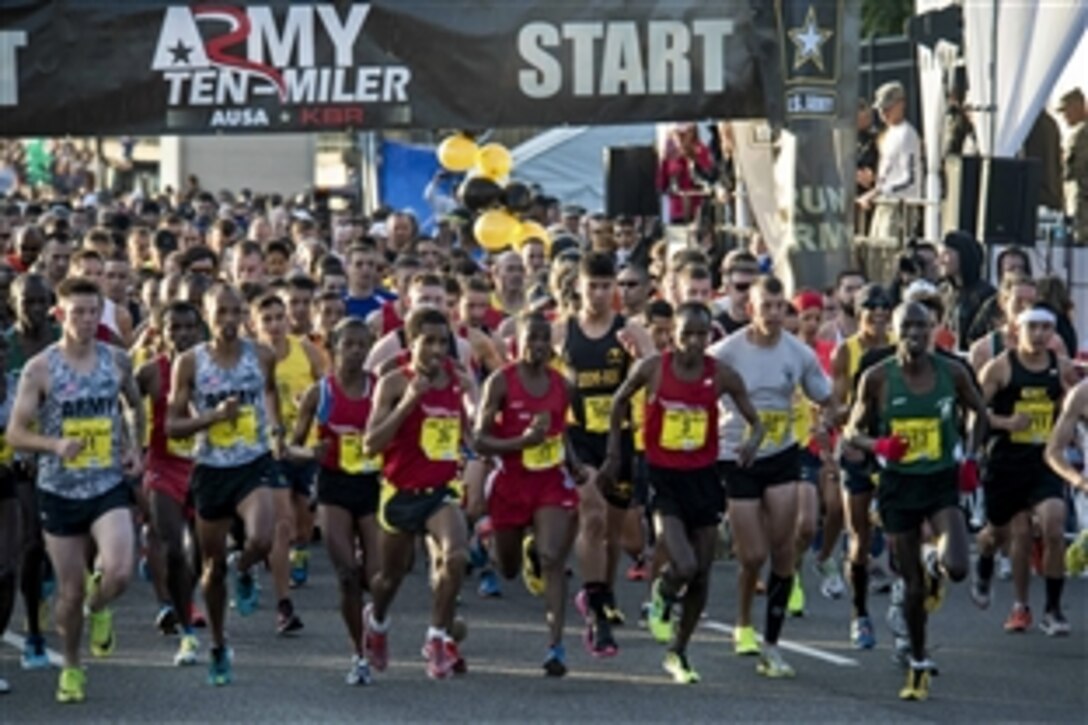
800,649
18,641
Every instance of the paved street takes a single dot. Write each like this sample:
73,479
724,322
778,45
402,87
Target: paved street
986,675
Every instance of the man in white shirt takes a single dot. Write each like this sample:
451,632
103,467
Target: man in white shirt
899,172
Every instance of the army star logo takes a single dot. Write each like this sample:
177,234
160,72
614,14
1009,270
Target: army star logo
808,41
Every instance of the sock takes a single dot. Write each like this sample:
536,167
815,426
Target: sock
984,567
433,632
859,583
1054,586
778,595
597,594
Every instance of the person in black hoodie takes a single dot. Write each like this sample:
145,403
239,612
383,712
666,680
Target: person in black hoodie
1011,260
963,290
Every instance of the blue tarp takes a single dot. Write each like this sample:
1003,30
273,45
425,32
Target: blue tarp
403,175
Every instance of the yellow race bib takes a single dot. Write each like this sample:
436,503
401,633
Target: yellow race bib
548,454
440,437
598,410
923,436
683,429
1041,415
352,459
776,426
97,437
183,448
243,431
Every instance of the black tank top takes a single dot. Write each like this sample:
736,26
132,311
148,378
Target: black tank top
1036,394
597,366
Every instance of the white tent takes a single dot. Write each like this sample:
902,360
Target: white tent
568,162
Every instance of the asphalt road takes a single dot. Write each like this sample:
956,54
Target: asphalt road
986,675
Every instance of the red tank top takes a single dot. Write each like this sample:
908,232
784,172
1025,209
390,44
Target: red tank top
341,422
682,419
544,460
163,451
390,319
425,452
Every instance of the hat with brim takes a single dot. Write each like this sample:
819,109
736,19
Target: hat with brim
888,94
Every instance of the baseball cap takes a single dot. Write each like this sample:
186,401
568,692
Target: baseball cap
888,94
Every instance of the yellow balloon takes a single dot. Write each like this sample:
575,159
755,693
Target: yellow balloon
496,230
457,153
533,230
494,161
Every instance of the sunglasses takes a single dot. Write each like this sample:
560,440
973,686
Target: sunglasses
742,286
876,305
627,283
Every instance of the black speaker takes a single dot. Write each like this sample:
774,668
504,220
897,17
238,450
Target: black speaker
1012,208
630,181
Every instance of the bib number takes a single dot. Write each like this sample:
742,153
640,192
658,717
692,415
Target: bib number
598,410
242,432
352,459
439,438
96,434
1041,415
548,454
683,429
776,426
923,438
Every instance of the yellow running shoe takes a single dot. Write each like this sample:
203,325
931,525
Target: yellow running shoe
530,567
677,665
745,642
102,639
796,605
772,665
187,650
70,687
917,687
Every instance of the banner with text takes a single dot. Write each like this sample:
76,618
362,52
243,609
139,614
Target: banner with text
150,67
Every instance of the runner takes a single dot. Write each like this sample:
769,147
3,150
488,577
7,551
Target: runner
71,393
347,481
1063,438
912,402
1024,389
763,494
872,309
596,346
9,507
225,390
682,392
521,422
417,424
169,465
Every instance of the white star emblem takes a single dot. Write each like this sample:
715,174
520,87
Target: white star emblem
808,41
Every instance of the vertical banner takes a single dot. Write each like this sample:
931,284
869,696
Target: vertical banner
818,44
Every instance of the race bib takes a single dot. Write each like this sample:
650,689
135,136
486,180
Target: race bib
923,437
548,454
182,448
440,437
776,426
241,432
1041,415
352,459
683,429
7,453
598,410
96,435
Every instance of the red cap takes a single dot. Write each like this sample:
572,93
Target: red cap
808,300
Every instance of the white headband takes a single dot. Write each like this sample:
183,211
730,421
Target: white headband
1038,315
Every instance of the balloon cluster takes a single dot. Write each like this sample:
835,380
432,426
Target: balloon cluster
486,192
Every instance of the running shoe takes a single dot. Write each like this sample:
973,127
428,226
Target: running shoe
1019,619
220,669
166,621
677,665
1055,624
102,636
555,664
437,666
831,584
796,605
489,585
246,597
359,672
599,640
772,665
862,635
71,687
980,591
187,649
34,656
531,573
745,642
659,619
5,688
375,640
457,663
287,622
300,566
934,582
612,612
917,687
639,571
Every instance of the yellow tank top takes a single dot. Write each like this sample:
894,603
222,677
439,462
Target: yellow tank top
854,353
294,376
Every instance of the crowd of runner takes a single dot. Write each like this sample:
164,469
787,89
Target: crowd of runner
196,385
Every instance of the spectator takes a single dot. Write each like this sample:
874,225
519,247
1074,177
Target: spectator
1076,162
963,290
1044,143
1052,291
685,172
899,171
1011,261
868,155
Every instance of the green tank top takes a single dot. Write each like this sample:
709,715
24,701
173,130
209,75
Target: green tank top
926,420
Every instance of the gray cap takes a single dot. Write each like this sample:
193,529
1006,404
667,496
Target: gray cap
888,94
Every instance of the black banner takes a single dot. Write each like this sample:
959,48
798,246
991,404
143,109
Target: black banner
142,67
